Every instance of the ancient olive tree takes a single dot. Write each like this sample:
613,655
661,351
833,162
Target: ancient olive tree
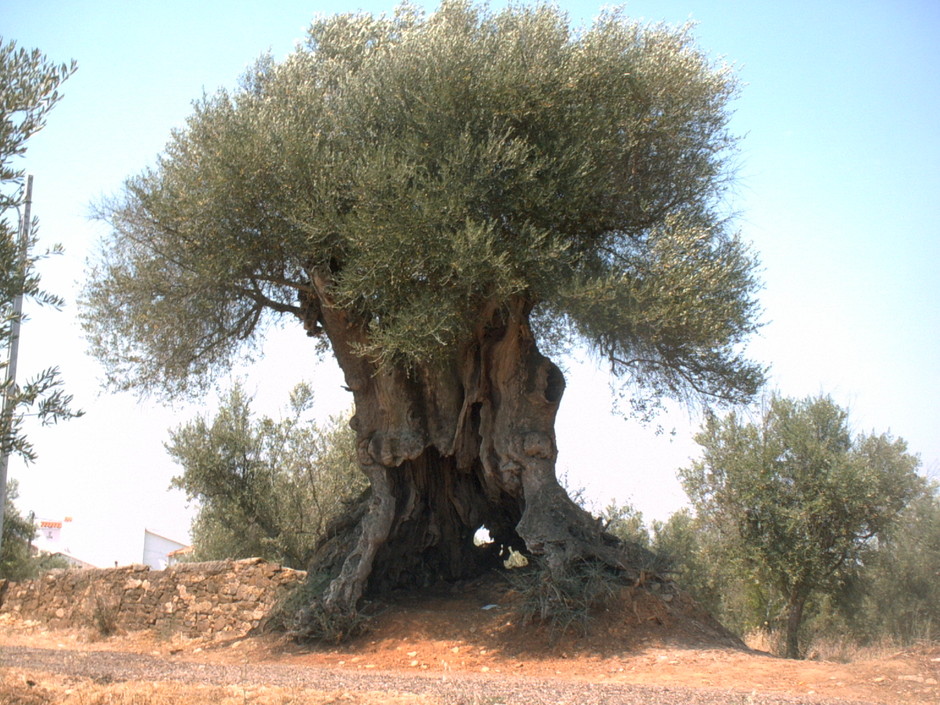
798,496
435,198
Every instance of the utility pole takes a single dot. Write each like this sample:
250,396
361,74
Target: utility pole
9,402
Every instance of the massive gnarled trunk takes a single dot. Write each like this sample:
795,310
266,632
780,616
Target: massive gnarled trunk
448,448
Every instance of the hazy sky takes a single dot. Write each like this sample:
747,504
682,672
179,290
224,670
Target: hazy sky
838,189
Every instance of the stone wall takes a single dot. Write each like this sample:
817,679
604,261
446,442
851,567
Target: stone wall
219,599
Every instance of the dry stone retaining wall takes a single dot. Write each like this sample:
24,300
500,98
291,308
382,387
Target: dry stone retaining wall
217,599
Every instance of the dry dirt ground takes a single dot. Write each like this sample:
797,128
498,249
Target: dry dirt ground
463,646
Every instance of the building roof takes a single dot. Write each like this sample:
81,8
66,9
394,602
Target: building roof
160,536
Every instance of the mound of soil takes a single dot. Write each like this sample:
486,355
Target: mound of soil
487,613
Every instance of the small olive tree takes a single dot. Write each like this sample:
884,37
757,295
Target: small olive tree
265,487
799,497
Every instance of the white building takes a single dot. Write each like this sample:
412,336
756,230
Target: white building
49,530
53,537
157,550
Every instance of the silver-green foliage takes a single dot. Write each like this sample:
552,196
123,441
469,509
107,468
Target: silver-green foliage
29,85
265,487
798,498
709,566
626,523
435,167
901,580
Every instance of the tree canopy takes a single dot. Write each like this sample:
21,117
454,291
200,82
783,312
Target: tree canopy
800,497
434,168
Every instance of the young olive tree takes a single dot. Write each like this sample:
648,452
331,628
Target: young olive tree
266,487
29,85
436,199
798,496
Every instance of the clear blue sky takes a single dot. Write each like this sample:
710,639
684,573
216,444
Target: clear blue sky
838,190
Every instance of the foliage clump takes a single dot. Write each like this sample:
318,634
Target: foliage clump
17,559
797,502
104,615
315,622
265,487
302,616
427,169
564,601
565,597
900,583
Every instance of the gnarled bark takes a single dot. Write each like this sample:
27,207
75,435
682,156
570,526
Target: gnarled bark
450,448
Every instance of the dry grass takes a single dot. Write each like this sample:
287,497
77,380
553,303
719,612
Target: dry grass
564,602
843,649
104,617
836,648
26,688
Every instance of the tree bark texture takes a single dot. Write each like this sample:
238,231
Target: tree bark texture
449,448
